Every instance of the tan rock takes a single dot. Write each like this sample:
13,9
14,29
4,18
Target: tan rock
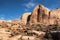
16,37
28,38
24,17
55,16
4,34
45,16
39,14
4,24
38,32
14,27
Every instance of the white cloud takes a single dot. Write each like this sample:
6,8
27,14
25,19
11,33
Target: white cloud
30,5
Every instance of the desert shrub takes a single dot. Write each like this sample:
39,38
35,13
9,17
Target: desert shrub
53,27
41,27
48,35
38,27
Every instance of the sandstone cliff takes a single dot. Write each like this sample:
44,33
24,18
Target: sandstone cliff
39,14
42,14
55,16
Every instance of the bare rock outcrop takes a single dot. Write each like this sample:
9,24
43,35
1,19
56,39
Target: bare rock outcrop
24,17
39,14
55,16
4,34
43,15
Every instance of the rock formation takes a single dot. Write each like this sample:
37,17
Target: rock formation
24,17
18,30
43,15
39,14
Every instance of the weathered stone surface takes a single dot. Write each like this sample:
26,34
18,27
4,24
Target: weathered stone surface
42,15
55,16
24,17
39,14
4,34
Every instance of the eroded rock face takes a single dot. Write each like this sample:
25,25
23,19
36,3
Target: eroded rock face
39,14
42,15
25,17
4,34
45,16
55,16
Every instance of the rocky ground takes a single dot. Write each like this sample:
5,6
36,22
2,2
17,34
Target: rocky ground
28,32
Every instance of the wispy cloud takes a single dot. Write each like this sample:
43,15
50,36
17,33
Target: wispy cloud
26,9
30,4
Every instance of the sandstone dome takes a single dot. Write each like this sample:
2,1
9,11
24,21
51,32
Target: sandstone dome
25,16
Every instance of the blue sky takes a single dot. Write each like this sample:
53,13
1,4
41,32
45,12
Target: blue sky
12,9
